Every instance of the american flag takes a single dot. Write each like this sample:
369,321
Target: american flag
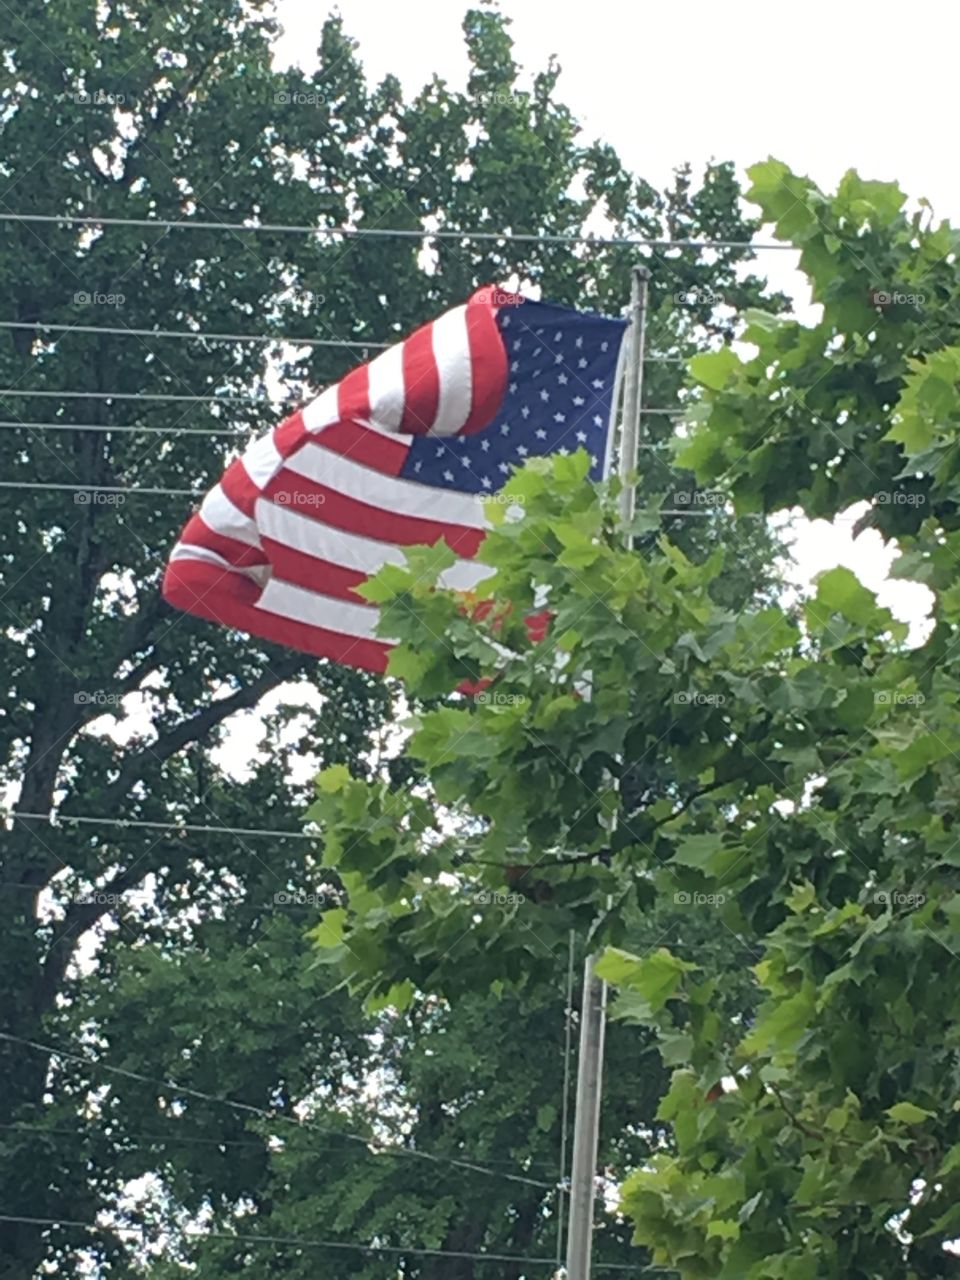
399,453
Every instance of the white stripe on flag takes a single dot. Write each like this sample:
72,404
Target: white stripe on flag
324,410
258,573
451,350
349,550
401,497
386,389
305,606
220,515
262,460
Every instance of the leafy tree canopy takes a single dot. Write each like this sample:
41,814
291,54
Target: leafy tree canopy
179,956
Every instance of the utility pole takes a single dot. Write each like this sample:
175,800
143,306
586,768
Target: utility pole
586,1134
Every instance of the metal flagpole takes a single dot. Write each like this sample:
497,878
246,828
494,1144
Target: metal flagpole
593,1006
632,397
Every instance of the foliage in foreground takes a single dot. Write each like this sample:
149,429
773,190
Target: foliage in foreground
809,768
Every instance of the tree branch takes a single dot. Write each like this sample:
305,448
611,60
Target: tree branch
598,855
198,726
794,1118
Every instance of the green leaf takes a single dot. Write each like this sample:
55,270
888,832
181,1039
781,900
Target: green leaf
713,369
840,591
387,583
781,1024
707,853
333,779
656,977
909,1113
546,1115
328,932
720,1229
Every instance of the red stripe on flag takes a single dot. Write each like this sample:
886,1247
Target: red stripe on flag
239,488
199,534
538,625
372,449
205,589
322,576
421,381
290,434
227,598
488,359
294,492
353,394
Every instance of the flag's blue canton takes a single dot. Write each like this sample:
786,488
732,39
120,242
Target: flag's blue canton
560,373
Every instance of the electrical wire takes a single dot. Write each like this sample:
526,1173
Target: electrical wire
400,233
158,1139
713,509
301,1242
41,326
131,429
179,827
97,488
121,1140
123,332
370,1143
28,393
122,430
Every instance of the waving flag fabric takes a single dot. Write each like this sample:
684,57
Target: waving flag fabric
400,452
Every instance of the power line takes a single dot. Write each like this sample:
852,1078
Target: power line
29,393
42,326
400,233
132,429
189,828
122,430
124,332
158,1139
150,1139
263,401
301,1242
370,1143
711,510
178,828
97,488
